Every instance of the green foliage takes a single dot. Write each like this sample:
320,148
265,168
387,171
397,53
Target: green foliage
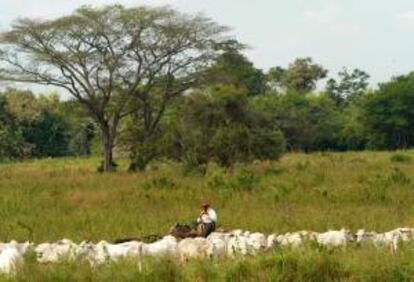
308,122
12,144
42,126
82,129
353,135
144,149
49,134
81,138
134,56
400,158
349,87
233,68
301,75
220,125
389,114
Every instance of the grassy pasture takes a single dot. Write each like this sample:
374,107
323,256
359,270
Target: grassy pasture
46,200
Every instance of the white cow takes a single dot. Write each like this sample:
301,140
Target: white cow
95,255
167,246
290,239
118,251
271,241
217,248
394,237
192,248
366,237
404,234
257,241
225,236
237,232
10,259
62,250
238,245
335,238
387,239
22,248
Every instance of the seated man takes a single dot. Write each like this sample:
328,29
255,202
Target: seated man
206,222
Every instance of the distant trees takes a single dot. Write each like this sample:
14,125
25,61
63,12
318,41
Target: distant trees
220,125
233,68
217,122
301,75
37,126
83,130
108,58
308,123
350,85
38,122
388,114
12,145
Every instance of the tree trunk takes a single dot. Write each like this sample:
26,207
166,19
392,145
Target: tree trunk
107,149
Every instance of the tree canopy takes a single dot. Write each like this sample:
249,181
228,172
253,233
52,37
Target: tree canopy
106,57
301,75
351,84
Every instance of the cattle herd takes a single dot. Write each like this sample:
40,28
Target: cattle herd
217,245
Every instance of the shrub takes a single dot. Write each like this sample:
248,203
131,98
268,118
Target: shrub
400,158
221,126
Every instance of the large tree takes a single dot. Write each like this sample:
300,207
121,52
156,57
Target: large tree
107,57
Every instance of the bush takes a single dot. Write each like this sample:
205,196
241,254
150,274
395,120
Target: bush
400,158
221,126
49,134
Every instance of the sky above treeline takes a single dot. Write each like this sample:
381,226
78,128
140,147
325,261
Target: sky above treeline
373,35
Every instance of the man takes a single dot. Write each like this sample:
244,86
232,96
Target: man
206,222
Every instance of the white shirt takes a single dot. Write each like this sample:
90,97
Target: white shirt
208,217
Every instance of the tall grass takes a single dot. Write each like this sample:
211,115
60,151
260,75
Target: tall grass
46,200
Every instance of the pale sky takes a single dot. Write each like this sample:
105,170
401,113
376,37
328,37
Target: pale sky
374,35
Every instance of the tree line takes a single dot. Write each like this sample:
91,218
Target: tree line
153,83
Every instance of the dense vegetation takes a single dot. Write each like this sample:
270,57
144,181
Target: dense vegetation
223,123
153,83
46,200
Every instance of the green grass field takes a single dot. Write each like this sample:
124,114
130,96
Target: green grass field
51,199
